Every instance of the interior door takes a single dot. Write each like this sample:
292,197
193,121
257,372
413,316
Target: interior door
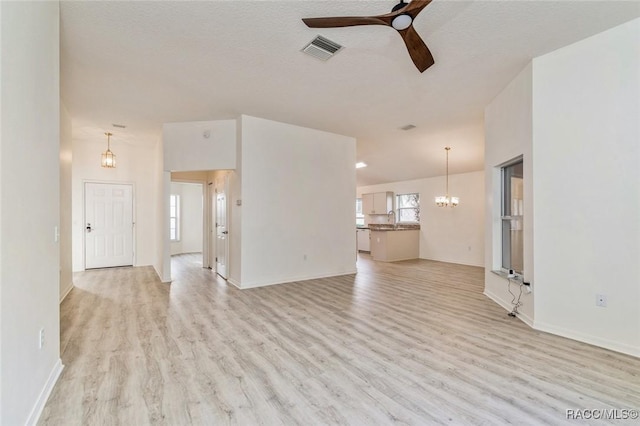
108,212
221,234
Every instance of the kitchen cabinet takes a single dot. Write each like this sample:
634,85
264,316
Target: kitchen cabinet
363,240
377,203
394,245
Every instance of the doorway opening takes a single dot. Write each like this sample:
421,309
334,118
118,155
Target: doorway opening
186,220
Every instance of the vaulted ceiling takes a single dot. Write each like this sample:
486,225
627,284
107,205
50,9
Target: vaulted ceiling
143,64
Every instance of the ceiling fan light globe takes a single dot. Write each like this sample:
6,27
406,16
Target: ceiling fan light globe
401,22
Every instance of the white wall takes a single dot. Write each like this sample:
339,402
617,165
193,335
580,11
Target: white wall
29,207
298,191
453,235
586,149
136,164
188,147
508,136
199,145
66,155
575,121
191,218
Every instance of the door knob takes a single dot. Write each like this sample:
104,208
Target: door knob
88,227
225,232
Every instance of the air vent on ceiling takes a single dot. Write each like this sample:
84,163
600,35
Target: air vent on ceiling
120,126
322,48
408,127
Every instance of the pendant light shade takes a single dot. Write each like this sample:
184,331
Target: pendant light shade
445,200
108,157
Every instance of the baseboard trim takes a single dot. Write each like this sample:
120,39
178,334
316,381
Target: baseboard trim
233,282
257,284
66,293
508,307
586,338
455,262
36,412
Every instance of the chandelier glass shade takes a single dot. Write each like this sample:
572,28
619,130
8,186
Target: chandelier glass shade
446,200
108,158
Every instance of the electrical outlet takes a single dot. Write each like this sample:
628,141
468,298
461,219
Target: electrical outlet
601,300
41,342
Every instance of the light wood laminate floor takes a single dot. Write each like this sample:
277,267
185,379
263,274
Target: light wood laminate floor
412,342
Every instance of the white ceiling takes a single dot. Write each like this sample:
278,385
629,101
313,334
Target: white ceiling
146,63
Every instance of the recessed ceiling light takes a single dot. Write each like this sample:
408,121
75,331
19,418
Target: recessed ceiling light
360,165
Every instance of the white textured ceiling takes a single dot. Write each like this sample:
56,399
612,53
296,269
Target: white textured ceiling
147,63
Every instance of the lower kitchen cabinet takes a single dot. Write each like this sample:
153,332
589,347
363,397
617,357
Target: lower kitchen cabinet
363,240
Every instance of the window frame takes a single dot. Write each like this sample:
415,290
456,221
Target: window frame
359,213
174,217
514,222
398,208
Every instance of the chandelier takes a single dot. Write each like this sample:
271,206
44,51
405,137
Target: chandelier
108,157
445,200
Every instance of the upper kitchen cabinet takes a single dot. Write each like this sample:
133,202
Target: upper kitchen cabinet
377,203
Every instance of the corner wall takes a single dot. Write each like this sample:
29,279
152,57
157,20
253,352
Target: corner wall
454,235
298,192
66,155
575,121
508,125
586,146
29,208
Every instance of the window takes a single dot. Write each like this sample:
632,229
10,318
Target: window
174,217
408,207
359,215
512,209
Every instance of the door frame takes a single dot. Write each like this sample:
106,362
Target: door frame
219,184
84,216
226,240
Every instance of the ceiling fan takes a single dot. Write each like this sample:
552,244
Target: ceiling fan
400,18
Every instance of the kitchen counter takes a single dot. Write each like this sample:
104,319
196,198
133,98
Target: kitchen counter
391,243
392,227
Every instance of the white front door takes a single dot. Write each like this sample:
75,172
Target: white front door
108,212
221,234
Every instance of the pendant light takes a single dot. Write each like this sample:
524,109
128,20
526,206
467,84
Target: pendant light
445,200
108,157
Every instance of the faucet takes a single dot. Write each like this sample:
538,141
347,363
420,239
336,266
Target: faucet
391,213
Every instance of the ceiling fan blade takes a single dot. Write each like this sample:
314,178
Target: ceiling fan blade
343,21
413,8
419,52
398,19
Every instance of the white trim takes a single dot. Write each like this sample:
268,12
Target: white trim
234,283
509,307
36,411
587,338
453,261
256,284
66,293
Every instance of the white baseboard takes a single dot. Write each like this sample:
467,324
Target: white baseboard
508,307
233,282
586,338
454,261
36,412
256,284
66,293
